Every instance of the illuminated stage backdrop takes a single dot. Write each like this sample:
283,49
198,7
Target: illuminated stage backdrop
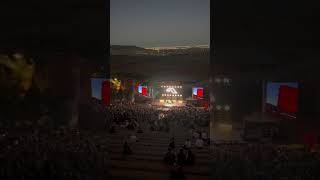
171,95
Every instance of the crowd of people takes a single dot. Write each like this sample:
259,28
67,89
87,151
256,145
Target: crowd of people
233,160
73,154
189,117
134,116
60,154
131,116
180,156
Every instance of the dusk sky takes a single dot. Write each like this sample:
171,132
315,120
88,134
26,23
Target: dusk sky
154,23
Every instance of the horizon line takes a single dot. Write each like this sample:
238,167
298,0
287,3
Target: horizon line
168,47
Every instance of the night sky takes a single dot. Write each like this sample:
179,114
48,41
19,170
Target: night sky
154,23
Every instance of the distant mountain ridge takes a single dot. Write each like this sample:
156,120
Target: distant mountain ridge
121,47
197,50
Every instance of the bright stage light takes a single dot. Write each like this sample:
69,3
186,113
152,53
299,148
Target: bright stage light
168,105
161,100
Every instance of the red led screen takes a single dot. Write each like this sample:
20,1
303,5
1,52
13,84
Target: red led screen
288,99
105,93
144,91
200,92
197,92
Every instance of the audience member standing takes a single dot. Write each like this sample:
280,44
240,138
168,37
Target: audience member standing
199,143
181,158
190,159
187,144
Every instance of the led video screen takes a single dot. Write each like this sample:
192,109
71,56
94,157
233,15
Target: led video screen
96,87
282,97
100,89
197,92
169,92
143,90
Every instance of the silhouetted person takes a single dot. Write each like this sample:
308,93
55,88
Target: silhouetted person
126,149
172,144
199,143
170,157
130,126
187,144
181,158
133,138
190,159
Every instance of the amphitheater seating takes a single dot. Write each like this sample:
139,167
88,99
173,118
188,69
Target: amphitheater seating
146,162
